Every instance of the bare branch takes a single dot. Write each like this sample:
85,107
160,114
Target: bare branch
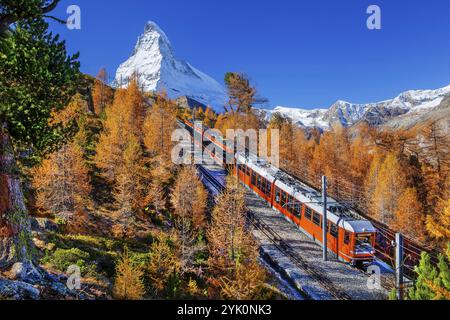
55,19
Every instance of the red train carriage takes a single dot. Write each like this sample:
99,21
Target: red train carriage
350,238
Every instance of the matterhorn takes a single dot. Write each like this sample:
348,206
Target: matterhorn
154,62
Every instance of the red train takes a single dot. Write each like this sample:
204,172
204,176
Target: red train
350,237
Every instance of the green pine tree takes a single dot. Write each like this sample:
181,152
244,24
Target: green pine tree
37,79
433,283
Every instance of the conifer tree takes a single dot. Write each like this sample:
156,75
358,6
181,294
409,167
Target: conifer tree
390,186
409,217
164,262
189,200
123,124
128,284
102,94
31,87
210,118
159,126
130,180
189,197
243,96
233,251
370,183
439,227
432,283
245,283
62,183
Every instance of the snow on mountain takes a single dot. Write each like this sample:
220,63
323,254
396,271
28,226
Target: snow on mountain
154,62
409,103
301,117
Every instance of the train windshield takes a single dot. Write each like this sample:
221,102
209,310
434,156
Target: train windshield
364,243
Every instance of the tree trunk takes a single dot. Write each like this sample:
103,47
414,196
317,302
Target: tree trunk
15,230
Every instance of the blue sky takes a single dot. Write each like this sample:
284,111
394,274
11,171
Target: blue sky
298,53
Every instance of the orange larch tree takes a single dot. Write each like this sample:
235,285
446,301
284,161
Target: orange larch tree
235,272
102,94
391,184
409,217
159,125
62,183
123,123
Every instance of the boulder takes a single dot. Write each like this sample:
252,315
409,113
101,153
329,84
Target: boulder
26,272
18,290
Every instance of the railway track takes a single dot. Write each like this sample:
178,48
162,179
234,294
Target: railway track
283,246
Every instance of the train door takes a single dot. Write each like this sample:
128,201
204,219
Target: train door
346,244
333,233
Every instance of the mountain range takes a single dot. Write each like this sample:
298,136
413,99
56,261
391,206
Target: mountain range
413,104
154,62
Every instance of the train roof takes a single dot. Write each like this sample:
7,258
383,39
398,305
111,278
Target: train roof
338,213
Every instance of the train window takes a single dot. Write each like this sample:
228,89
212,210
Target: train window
254,178
316,219
277,195
289,204
269,189
296,209
259,182
283,199
347,237
293,206
334,231
308,213
263,185
300,209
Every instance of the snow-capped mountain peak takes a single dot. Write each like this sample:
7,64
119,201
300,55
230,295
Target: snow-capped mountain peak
157,68
409,103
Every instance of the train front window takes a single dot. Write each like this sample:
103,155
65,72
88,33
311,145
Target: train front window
363,242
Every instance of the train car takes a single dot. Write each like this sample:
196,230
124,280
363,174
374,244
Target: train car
350,238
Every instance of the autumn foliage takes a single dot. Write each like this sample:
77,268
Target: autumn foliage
128,283
62,183
102,94
399,178
233,260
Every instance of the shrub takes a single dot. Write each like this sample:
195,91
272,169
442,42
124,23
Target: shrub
62,259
